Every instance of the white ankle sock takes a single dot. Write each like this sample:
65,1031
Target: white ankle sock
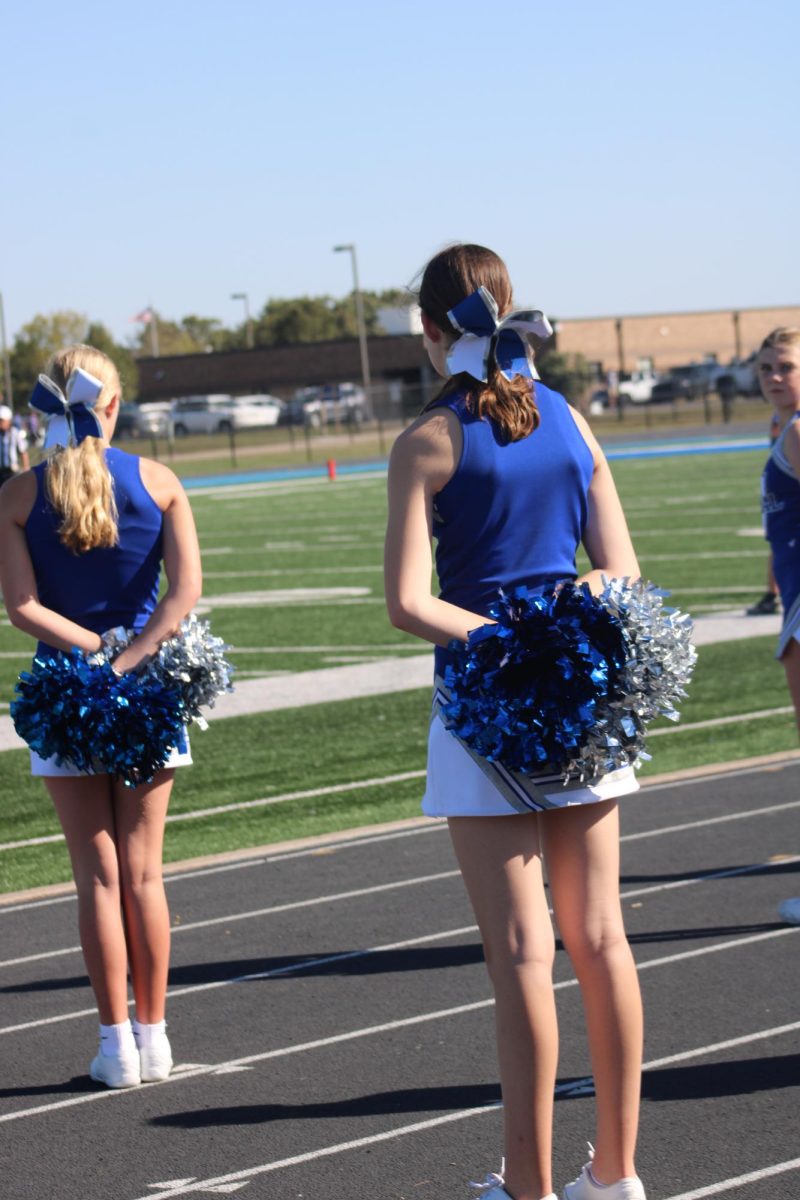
114,1039
146,1034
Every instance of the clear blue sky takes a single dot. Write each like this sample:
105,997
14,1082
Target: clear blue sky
623,157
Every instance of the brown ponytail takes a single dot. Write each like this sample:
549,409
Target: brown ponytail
77,479
450,277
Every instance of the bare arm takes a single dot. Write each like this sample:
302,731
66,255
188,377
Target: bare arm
18,580
791,446
423,458
606,538
181,566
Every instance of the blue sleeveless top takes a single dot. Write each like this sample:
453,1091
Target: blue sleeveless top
780,495
513,512
780,505
104,587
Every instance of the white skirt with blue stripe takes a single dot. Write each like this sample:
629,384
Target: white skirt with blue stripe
462,784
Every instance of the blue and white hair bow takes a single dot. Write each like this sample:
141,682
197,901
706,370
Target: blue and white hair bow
71,415
484,336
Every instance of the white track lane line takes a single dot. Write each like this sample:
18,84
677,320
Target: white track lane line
312,963
433,827
262,860
261,912
388,1134
250,1060
730,1185
230,918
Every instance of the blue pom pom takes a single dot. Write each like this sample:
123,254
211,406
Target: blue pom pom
78,711
566,682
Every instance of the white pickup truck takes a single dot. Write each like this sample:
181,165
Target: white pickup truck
638,388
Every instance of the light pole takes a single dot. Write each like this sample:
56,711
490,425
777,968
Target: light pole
362,329
248,324
9,397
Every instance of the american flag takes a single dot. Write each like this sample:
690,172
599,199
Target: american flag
144,317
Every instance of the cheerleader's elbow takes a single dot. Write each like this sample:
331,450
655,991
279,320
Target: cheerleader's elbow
400,615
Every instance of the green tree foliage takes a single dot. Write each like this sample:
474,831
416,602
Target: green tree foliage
98,336
569,374
36,342
319,318
190,335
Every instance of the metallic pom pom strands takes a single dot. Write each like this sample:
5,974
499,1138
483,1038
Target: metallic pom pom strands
568,682
195,661
74,707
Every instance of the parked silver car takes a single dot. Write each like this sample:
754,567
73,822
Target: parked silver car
143,420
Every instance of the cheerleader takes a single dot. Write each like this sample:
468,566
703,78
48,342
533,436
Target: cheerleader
779,376
509,480
82,539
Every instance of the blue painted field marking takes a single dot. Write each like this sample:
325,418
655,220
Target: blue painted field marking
282,475
279,475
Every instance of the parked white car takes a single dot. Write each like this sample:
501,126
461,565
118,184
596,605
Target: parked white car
256,412
222,413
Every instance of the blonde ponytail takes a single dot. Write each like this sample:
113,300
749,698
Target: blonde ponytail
78,482
79,487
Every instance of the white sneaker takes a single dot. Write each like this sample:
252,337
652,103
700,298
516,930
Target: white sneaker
500,1193
156,1059
496,1191
116,1070
586,1187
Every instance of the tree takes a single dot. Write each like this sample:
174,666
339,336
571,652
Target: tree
38,341
320,318
98,336
569,374
191,335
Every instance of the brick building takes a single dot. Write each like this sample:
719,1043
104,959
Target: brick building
399,365
669,339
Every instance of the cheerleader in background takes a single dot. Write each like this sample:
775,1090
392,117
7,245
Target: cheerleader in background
82,539
779,376
509,480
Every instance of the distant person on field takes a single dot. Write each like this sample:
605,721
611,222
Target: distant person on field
13,446
779,375
770,601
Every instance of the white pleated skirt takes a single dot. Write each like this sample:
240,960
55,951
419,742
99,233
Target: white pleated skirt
67,770
459,784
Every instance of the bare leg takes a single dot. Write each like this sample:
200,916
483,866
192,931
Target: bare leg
86,813
140,814
581,848
500,861
791,663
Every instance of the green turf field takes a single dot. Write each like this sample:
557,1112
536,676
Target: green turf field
293,580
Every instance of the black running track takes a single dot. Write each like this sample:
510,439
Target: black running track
332,1025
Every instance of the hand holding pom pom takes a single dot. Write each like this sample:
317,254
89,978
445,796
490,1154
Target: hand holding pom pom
568,682
76,708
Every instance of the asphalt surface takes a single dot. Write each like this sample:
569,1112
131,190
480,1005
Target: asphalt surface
332,1025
